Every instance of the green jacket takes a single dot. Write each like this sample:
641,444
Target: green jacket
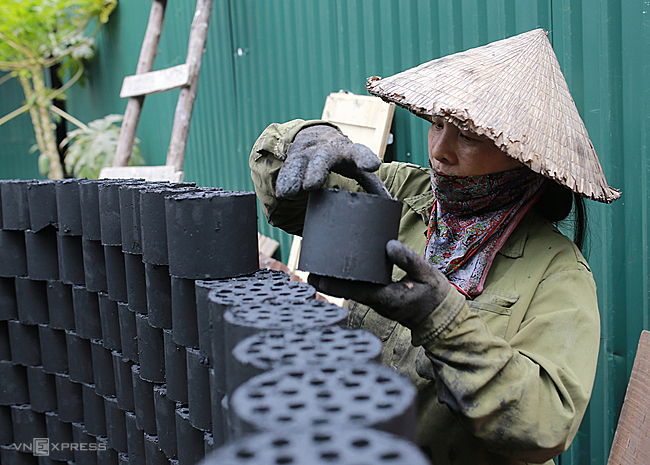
504,378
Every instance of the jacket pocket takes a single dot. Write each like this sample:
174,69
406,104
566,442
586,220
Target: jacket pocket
495,308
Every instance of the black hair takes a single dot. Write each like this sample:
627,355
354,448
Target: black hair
556,204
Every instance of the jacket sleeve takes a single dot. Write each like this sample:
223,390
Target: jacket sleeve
523,398
266,159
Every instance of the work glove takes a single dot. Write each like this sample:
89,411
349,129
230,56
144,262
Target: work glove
318,150
408,301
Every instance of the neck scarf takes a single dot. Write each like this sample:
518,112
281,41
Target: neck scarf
471,219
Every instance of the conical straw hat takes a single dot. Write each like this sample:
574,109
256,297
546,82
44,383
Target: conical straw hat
513,92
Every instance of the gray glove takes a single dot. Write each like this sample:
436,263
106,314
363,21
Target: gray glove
318,150
408,301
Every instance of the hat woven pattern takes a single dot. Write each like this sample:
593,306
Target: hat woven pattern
513,92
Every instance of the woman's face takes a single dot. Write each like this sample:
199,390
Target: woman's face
457,152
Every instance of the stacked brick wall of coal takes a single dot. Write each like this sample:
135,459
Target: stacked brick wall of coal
130,321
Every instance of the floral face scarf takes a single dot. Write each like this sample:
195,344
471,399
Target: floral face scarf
472,217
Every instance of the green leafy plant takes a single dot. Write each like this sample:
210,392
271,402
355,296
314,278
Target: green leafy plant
93,148
36,35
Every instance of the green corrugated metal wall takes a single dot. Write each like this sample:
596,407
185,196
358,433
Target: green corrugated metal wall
275,60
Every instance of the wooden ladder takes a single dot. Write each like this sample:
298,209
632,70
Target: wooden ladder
145,82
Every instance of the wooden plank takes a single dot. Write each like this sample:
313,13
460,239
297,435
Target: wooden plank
155,81
148,173
631,444
364,119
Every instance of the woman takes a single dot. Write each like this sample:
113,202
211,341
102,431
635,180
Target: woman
498,324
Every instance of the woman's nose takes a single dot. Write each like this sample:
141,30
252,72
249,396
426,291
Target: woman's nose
442,146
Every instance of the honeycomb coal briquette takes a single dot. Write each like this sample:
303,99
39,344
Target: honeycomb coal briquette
269,349
86,313
80,359
6,429
115,425
42,254
115,273
175,368
31,300
153,223
110,322
159,295
41,195
83,455
69,207
27,424
212,234
5,348
42,390
13,258
60,305
94,412
192,448
103,371
134,440
59,432
184,321
136,287
105,454
123,382
357,395
89,204
14,390
198,390
8,304
94,265
24,344
128,332
145,411
15,204
165,421
54,349
263,283
151,348
153,454
109,210
343,446
71,262
69,399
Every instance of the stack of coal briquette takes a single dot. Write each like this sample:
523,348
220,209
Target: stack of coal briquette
136,327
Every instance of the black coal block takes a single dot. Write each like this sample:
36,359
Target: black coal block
94,265
110,321
212,235
130,215
154,455
175,369
86,313
59,432
153,223
115,425
94,413
198,390
136,287
9,455
106,455
8,304
219,404
134,440
42,390
69,399
109,210
71,259
208,440
69,208
54,349
151,350
128,332
59,303
42,204
83,455
27,424
145,410
13,257
6,427
80,359
165,421
42,254
159,295
5,348
184,322
89,203
103,371
15,204
14,389
24,343
192,448
204,327
31,299
123,382
7,430
115,273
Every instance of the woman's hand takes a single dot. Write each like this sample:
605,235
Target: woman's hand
408,301
318,150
